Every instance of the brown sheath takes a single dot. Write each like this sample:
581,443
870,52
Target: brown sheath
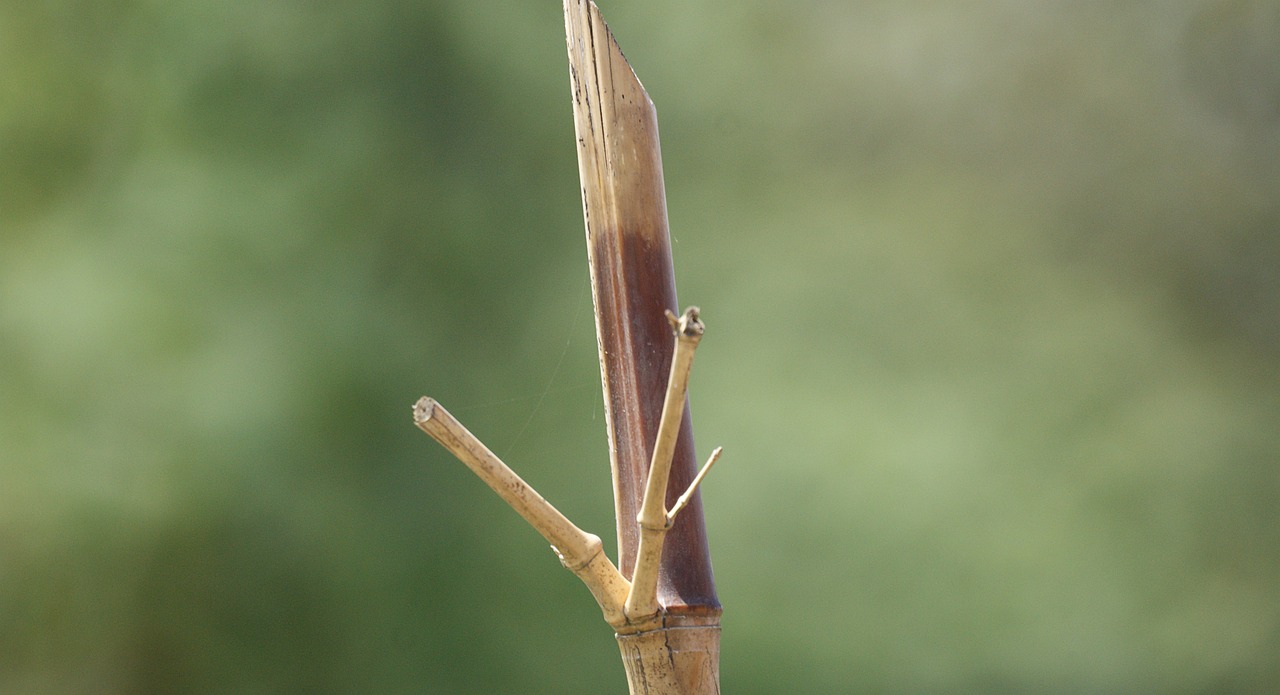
633,283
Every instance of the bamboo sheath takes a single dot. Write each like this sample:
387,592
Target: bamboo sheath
633,283
660,598
650,429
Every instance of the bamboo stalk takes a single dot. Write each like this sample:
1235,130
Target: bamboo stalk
633,284
660,598
672,643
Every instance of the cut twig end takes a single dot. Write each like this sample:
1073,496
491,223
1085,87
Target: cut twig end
688,324
424,409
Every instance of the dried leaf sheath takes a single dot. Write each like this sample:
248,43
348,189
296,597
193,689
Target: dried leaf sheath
632,284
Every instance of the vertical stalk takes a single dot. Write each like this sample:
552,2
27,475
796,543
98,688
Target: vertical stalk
633,285
661,598
672,646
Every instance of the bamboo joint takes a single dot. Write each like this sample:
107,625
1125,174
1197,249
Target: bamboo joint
630,607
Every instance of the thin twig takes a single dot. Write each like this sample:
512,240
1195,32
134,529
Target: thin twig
581,552
693,486
654,522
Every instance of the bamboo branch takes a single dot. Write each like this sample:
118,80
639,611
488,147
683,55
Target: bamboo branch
693,487
653,518
580,552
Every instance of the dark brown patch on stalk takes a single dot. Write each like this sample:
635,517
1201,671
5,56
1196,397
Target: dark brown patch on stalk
633,283
636,284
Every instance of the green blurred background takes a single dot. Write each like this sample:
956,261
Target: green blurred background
994,335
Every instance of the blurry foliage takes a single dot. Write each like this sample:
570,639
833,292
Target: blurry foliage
994,334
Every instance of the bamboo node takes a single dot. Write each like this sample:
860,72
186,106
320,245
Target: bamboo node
592,546
668,520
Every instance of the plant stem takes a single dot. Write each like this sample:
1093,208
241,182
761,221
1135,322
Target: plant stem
581,552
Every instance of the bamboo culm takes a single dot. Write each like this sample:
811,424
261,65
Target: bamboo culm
660,597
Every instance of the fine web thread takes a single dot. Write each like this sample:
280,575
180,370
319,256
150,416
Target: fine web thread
555,372
489,405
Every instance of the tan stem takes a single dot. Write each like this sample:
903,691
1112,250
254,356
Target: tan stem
581,552
642,601
680,658
693,487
